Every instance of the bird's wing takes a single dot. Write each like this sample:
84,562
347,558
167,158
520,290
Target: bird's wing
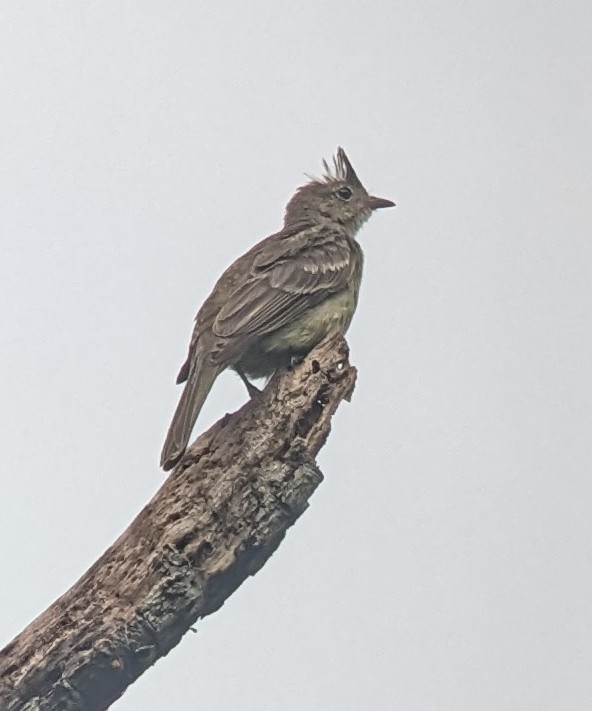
286,278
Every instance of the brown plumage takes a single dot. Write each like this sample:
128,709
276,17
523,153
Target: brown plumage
282,297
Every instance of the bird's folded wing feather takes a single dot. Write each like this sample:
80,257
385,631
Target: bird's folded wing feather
287,277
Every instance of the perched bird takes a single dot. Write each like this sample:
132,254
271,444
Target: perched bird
281,298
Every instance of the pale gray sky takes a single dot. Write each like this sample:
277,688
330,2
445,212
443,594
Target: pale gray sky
445,562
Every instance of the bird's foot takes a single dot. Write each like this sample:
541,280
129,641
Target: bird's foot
294,360
253,390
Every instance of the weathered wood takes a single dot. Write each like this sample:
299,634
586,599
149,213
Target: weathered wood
216,520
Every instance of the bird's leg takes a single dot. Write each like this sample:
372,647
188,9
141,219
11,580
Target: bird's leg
253,390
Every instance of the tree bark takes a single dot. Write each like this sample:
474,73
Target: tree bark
216,520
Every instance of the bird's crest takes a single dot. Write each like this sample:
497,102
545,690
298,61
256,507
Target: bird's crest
341,170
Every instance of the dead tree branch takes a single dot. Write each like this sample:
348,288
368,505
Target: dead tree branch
216,520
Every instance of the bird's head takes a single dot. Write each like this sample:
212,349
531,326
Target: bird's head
338,197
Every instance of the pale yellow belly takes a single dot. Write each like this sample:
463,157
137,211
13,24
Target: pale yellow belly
332,315
296,339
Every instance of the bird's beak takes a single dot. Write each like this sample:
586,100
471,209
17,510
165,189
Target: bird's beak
375,203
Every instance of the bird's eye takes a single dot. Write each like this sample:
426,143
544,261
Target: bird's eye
344,193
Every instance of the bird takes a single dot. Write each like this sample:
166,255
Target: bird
281,298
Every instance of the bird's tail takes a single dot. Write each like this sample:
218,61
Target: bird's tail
198,385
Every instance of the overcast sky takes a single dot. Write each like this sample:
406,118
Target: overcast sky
445,562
